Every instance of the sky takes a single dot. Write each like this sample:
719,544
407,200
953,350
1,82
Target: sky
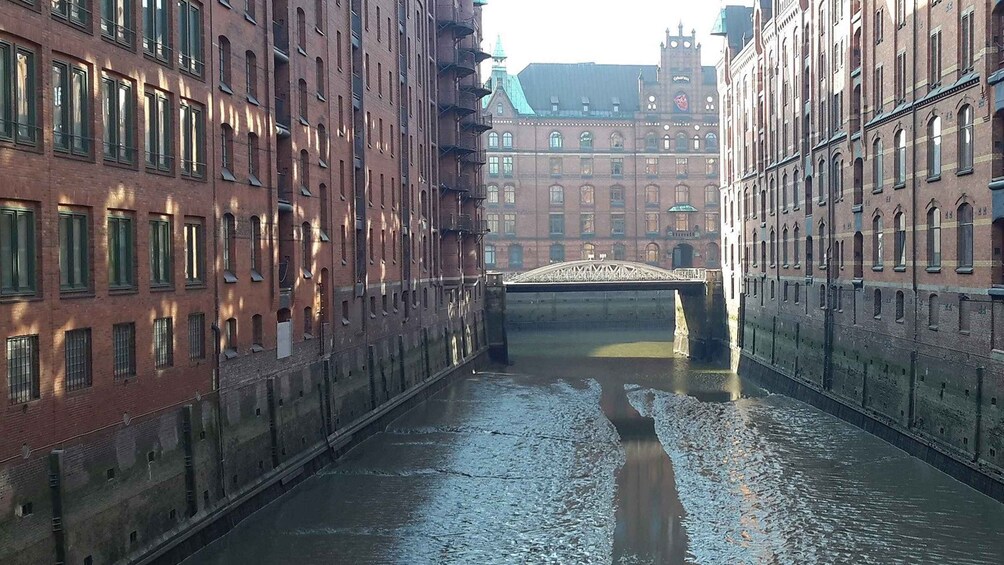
599,31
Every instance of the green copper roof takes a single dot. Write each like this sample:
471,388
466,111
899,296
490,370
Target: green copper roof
683,208
513,89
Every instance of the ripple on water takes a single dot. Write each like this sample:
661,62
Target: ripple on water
772,480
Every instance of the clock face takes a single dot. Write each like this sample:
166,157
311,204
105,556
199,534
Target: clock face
681,101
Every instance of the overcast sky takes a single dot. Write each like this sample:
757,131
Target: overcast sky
577,31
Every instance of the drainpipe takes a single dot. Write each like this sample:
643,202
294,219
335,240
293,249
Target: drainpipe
913,180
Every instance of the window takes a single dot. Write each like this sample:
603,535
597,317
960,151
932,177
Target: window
74,250
681,142
121,252
257,329
306,248
555,166
877,93
509,194
965,236
493,194
22,368
253,151
507,166
586,166
934,238
555,140
117,20
197,336
934,66
557,195
556,223
493,140
966,34
509,224
70,109
651,222
224,64
124,350
617,167
711,141
249,8
230,338
302,105
899,78
161,246
195,247
877,304
319,16
878,166
877,250
620,252
587,223
227,152
251,76
587,195
493,166
193,140
711,222
557,253
966,139
490,256
77,350
934,148
616,141
73,11
163,343
190,32
586,141
651,195
493,223
506,140
899,244
965,314
617,223
900,164
256,267
119,113
682,194
515,256
932,312
229,244
900,307
652,166
617,196
682,168
159,146
18,79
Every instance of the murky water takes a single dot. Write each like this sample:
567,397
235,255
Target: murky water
598,447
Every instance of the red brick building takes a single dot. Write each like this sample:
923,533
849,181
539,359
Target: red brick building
199,199
593,161
862,213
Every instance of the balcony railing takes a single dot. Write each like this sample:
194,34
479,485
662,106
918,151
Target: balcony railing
456,222
478,157
682,234
477,192
285,192
478,121
459,61
451,19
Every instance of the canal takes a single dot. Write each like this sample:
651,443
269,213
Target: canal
597,447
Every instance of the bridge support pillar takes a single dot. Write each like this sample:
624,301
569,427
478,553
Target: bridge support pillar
701,320
498,343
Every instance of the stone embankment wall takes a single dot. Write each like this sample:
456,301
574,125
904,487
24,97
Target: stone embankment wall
580,309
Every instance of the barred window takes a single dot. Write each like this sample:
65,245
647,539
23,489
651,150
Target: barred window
78,359
22,368
124,349
163,343
197,336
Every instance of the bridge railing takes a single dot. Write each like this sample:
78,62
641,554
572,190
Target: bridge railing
692,273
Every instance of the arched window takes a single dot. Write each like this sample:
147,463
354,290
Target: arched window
773,247
878,167
756,245
588,251
821,237
784,247
858,258
230,337
837,176
822,180
784,191
308,322
557,253
301,30
506,140
319,77
877,304
322,144
966,138
557,197
229,243
651,195
251,75
620,252
714,256
899,243
773,196
586,141
795,198
256,266
681,142
822,296
555,141
493,194
934,148
899,165
257,333
490,256
696,143
304,172
711,142
934,238
667,142
493,140
682,194
652,253
877,243
965,236
616,141
306,241
509,194
224,48
932,311
651,142
900,306
711,194
796,246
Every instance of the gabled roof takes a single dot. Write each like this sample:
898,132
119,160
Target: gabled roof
572,84
513,89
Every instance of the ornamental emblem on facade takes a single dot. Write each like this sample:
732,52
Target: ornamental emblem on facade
681,102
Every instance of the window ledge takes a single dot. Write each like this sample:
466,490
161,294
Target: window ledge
878,268
228,176
257,348
229,277
116,291
899,268
303,121
70,294
230,353
253,100
253,181
322,163
964,172
301,51
964,270
225,88
933,269
899,185
933,328
321,97
256,276
877,190
934,178
306,274
250,18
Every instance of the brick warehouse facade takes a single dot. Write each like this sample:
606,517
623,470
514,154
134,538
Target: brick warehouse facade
230,232
863,224
616,161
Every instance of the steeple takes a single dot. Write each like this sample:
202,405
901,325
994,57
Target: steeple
498,64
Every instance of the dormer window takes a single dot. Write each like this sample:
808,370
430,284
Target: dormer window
585,104
499,109
616,104
554,103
